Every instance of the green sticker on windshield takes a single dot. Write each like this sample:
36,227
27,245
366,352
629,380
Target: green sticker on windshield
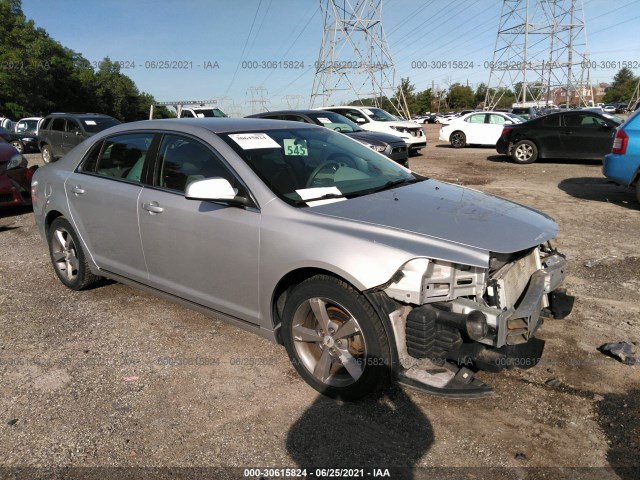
295,147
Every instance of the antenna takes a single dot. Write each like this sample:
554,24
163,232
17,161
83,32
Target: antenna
354,59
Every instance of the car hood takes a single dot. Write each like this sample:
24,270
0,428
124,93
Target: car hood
374,137
451,213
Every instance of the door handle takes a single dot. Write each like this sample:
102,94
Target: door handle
77,190
152,207
568,132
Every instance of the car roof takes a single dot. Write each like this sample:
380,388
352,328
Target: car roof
215,125
285,112
78,114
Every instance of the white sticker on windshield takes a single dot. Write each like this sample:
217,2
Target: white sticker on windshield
251,141
90,122
318,192
200,115
324,120
367,111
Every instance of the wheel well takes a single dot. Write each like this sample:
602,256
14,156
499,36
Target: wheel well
283,288
51,216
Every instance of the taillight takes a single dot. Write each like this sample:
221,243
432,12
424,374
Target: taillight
505,130
620,142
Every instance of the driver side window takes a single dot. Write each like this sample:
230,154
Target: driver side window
183,160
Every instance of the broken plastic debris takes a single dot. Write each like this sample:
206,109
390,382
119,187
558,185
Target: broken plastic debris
623,351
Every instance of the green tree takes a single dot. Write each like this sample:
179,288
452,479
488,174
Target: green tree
460,96
622,88
39,75
424,100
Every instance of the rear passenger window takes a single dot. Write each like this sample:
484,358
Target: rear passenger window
119,157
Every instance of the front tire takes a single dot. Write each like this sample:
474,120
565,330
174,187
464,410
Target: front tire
458,139
67,257
335,339
524,151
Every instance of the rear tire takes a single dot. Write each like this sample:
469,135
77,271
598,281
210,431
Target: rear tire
524,151
638,191
47,154
335,339
67,257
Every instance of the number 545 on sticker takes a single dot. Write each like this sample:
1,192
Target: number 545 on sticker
295,147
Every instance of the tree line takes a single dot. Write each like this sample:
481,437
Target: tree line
460,97
38,75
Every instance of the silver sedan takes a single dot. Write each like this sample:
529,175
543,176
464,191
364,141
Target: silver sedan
363,270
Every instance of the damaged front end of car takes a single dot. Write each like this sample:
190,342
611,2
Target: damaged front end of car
450,318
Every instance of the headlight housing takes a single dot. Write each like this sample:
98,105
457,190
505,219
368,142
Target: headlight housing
377,148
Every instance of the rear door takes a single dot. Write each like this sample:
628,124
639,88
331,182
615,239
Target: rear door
545,132
72,136
205,252
103,197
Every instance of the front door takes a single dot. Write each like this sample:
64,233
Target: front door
205,252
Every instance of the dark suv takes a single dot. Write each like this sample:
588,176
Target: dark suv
60,132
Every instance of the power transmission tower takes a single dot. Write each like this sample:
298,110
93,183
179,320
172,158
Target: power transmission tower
293,101
354,59
541,52
258,100
234,110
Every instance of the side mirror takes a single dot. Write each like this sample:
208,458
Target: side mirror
215,190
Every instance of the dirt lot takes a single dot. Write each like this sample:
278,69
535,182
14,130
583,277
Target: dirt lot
115,377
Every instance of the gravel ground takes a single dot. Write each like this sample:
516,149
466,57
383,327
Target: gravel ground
113,377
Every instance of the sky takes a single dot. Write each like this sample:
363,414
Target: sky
233,51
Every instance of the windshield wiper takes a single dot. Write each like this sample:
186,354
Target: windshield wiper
393,183
326,196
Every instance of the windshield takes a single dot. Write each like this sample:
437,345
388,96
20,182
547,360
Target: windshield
208,112
335,122
27,126
380,115
304,165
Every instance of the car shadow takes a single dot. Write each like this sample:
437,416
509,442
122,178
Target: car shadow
387,432
619,419
7,216
599,190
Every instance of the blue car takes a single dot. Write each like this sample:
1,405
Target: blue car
622,165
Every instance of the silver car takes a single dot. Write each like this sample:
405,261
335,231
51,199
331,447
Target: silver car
363,270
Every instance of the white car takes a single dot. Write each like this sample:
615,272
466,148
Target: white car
478,128
377,120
